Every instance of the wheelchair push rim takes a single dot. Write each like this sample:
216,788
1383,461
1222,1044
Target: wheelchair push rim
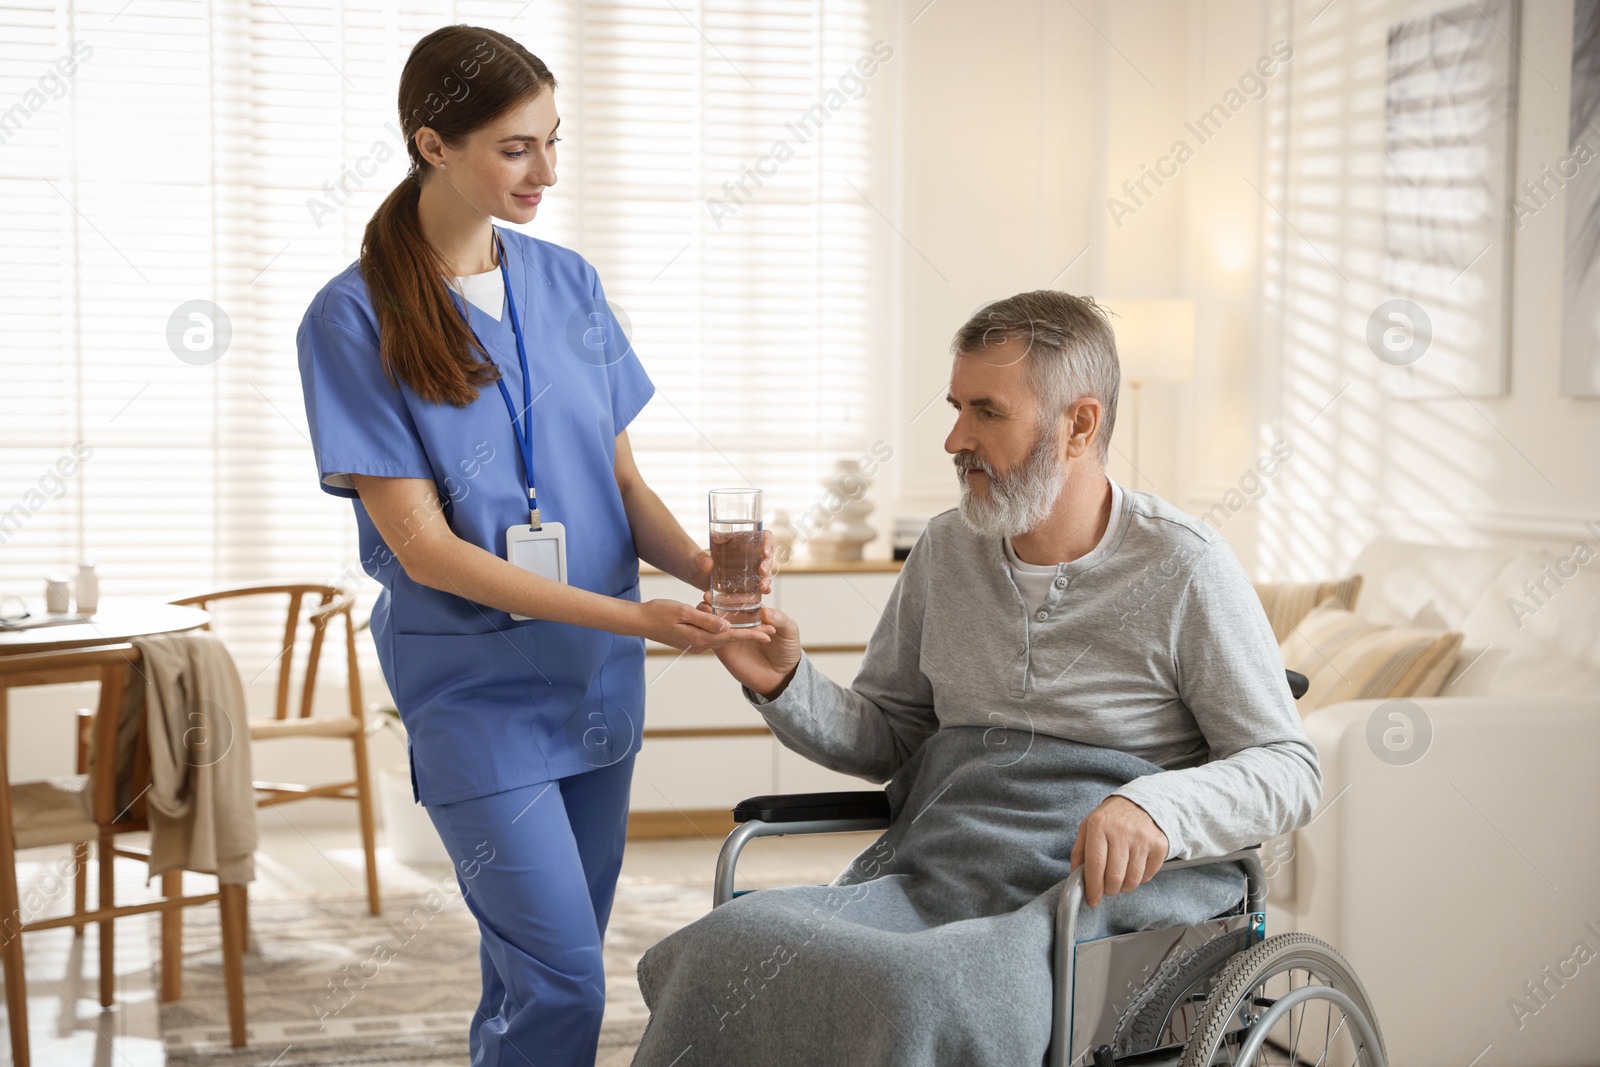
1301,1003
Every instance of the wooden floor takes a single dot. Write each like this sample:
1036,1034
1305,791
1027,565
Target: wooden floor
69,1029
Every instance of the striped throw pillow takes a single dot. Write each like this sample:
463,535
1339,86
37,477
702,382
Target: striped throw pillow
1286,603
1348,658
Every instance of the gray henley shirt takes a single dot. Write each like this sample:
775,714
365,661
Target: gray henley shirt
1153,643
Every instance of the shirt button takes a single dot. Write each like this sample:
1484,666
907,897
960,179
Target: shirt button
1061,583
1043,615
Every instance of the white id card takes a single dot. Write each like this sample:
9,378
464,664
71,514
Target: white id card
542,551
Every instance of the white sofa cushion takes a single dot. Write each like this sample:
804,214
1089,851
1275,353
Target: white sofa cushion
1528,636
1550,650
1401,579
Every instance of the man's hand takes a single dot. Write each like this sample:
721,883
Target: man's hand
703,564
767,666
1119,845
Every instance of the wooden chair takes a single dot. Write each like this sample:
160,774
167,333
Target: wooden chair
34,814
332,603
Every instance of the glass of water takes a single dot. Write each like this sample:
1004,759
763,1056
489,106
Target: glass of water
736,555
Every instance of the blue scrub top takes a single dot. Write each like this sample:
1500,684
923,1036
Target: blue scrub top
490,703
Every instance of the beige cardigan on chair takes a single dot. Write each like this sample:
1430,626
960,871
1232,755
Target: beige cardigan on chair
200,804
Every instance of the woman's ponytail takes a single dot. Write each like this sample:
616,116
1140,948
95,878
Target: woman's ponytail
457,79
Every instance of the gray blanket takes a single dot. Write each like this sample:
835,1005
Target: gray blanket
933,946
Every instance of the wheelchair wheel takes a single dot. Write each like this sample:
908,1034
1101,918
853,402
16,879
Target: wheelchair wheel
1291,1000
1167,1010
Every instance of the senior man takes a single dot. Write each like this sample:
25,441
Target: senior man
1061,659
1054,600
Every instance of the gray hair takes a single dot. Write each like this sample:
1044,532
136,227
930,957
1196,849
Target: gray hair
1072,344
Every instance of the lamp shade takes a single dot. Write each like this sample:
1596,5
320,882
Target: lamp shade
1155,339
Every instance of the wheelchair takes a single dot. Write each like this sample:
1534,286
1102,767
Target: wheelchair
1216,992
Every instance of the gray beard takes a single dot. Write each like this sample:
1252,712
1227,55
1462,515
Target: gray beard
1017,501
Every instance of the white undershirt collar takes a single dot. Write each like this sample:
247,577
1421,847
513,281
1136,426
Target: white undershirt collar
486,291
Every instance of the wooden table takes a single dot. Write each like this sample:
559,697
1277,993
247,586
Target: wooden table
109,625
114,624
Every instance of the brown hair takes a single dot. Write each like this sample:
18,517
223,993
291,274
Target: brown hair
456,80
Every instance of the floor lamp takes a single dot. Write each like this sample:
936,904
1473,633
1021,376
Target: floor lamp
1155,345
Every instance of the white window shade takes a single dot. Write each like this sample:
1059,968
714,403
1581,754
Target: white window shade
749,281
1368,460
186,158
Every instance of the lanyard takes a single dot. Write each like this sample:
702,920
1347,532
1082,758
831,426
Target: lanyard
523,429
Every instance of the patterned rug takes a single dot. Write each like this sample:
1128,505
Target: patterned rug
326,983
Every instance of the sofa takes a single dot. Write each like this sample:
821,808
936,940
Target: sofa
1459,871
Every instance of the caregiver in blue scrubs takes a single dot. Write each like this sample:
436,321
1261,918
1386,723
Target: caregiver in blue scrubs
448,420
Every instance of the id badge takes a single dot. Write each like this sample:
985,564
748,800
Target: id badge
542,551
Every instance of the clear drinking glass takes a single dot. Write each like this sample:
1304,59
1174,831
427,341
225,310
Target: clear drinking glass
736,555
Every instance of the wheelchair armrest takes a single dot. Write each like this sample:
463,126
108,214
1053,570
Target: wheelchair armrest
783,814
810,807
1298,684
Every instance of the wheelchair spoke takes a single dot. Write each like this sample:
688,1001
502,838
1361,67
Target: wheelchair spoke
1343,1018
1325,1041
1292,1051
1252,1027
1295,1044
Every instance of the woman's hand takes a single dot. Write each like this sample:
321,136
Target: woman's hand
768,667
681,626
703,565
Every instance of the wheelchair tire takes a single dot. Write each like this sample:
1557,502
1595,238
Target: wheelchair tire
1148,1019
1243,986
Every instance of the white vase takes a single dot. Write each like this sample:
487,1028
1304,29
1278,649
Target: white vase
783,536
848,532
87,593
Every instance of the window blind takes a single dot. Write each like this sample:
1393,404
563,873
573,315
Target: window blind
1322,193
233,152
1330,193
747,272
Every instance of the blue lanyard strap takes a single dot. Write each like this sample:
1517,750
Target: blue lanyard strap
521,429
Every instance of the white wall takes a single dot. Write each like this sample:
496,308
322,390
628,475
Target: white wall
1456,469
1196,236
1000,149
1005,178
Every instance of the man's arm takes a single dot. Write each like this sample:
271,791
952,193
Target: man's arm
1264,777
871,728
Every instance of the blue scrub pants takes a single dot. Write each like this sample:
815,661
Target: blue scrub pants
538,867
